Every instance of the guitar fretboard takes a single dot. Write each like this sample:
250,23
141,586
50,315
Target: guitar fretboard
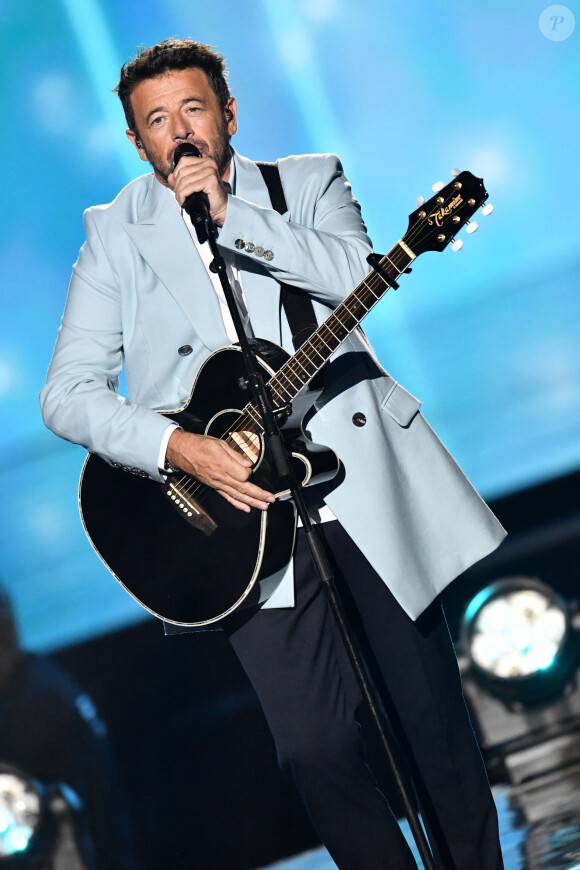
431,228
311,356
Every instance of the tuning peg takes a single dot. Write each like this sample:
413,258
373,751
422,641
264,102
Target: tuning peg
437,186
407,271
471,226
420,201
455,172
457,245
487,209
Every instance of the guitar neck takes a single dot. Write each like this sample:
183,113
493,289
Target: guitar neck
312,355
431,228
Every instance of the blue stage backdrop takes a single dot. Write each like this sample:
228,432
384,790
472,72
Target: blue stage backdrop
488,338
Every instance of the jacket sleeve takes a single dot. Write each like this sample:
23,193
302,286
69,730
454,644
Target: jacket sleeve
320,244
79,401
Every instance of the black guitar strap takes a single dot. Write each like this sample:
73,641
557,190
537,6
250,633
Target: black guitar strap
297,305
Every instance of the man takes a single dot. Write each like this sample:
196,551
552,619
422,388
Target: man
142,295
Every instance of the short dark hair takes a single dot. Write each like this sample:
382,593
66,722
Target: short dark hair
172,54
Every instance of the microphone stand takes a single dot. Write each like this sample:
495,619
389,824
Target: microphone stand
205,229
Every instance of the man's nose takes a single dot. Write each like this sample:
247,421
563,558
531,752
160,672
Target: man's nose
181,130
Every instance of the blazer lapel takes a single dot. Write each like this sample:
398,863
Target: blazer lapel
164,242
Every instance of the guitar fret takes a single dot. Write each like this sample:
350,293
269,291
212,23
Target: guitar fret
313,346
330,340
353,305
319,334
366,284
328,329
254,415
278,393
343,311
296,381
316,344
339,331
360,302
301,377
282,374
300,374
309,366
366,293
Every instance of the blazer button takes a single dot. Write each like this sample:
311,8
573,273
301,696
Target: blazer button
359,419
268,255
239,243
184,350
259,251
250,247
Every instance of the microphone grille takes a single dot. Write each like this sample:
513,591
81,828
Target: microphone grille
185,149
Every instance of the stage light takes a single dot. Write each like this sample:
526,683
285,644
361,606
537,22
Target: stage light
41,826
21,811
519,638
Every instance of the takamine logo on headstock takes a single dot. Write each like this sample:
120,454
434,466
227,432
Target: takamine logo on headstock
436,222
437,217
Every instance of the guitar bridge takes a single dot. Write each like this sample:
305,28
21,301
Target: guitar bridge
188,508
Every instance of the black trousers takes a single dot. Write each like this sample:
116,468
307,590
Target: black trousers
300,671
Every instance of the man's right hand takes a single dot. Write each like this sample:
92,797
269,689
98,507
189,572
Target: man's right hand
218,465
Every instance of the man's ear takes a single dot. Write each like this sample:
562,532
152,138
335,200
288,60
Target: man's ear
134,138
231,113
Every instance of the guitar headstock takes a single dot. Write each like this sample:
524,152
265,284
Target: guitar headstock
434,224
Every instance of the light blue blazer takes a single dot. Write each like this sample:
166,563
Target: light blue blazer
139,292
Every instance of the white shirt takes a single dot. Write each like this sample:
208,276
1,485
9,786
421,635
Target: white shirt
232,269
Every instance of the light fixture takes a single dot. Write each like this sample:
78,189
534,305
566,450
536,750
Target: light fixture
41,826
519,638
21,812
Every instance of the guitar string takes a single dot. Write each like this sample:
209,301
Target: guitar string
249,414
410,236
242,423
360,295
372,282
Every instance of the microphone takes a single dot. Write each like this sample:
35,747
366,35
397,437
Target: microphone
196,204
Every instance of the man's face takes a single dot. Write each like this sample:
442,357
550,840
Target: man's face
181,106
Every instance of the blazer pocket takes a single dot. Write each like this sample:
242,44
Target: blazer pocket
400,405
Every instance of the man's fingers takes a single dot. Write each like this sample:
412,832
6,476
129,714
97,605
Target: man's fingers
247,496
194,177
247,492
240,505
250,445
220,466
200,175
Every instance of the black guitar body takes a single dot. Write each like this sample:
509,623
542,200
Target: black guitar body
180,548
